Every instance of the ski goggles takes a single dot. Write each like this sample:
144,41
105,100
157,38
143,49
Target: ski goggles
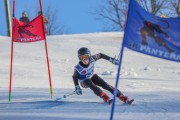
84,57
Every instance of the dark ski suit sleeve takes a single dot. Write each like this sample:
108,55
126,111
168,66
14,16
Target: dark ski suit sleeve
75,77
101,55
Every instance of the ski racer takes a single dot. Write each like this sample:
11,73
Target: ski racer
84,74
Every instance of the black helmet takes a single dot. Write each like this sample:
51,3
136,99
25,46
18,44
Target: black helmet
84,51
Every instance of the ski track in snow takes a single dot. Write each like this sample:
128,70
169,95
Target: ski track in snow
37,105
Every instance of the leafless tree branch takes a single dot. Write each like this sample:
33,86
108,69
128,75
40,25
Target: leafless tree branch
114,11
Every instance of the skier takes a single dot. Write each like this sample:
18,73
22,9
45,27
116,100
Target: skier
87,79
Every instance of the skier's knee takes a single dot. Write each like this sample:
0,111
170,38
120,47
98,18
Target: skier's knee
83,85
95,75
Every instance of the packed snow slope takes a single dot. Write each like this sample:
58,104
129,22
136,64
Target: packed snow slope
153,83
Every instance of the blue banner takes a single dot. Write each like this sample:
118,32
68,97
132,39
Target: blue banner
152,35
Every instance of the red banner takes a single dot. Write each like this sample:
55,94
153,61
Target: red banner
28,32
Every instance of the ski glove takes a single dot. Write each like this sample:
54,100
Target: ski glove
114,61
78,90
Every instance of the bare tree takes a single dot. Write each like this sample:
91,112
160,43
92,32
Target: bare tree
153,6
52,27
114,11
174,7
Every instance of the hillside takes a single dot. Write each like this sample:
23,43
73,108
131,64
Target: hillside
153,83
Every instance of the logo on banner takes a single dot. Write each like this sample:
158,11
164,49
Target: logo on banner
154,31
24,31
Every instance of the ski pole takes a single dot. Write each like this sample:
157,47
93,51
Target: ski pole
69,94
118,56
64,96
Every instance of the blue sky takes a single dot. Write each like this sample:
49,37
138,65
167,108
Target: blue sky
73,14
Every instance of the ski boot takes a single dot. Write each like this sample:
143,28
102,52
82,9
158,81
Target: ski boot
125,99
106,98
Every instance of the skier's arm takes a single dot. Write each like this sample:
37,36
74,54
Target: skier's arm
103,56
100,56
75,78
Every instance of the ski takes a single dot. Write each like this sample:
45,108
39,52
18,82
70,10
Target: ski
129,102
110,101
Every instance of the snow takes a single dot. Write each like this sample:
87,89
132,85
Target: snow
153,83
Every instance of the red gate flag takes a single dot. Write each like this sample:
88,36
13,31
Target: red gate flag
28,32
